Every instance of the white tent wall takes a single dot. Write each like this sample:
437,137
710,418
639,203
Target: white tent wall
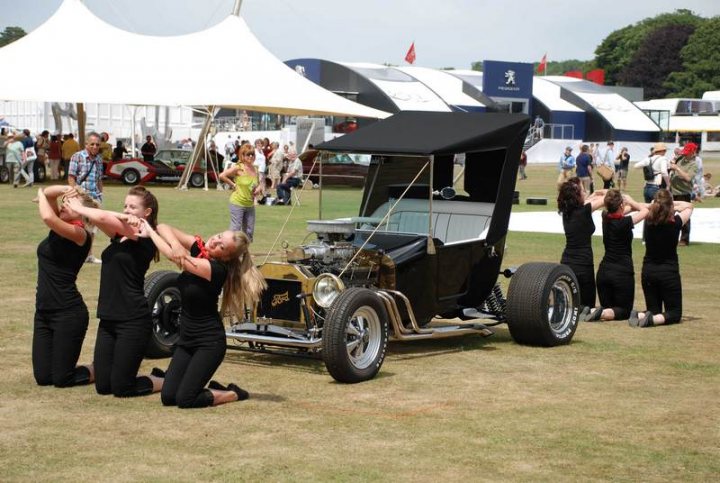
170,83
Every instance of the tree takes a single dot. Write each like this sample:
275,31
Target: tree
618,49
701,62
11,34
657,57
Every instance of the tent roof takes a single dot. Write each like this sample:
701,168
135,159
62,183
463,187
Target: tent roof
426,133
224,65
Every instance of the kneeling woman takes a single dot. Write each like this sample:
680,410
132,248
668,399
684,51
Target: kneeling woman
616,275
125,322
61,316
223,264
660,271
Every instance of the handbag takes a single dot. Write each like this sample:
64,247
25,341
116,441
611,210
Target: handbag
605,172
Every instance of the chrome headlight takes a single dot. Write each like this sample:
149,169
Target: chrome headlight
327,288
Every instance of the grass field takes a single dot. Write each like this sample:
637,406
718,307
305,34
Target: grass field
618,403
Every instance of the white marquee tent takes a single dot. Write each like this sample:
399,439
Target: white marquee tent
244,75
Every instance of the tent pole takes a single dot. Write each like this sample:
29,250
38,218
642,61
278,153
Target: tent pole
80,107
431,244
199,149
236,8
132,132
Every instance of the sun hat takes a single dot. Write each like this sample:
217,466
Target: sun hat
659,147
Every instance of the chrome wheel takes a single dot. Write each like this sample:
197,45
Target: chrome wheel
560,306
363,337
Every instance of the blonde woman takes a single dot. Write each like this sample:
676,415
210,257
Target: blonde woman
223,263
244,179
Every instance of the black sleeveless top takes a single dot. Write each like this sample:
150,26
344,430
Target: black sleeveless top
200,321
59,261
122,279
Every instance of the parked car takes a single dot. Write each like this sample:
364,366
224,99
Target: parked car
423,252
167,166
338,169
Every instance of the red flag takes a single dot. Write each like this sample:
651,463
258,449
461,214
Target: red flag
543,65
597,76
410,56
574,73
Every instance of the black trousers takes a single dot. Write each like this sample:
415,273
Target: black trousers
190,370
662,287
585,275
119,350
616,289
685,231
57,341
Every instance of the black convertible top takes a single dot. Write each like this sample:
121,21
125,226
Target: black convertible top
436,133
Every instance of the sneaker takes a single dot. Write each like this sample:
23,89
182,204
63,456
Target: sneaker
646,321
594,315
633,321
92,259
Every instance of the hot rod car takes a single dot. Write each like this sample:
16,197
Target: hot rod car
421,260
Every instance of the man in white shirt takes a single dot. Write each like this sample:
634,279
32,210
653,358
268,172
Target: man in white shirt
660,172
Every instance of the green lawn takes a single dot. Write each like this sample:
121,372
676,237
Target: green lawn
618,403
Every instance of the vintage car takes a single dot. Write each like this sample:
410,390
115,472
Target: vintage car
335,169
167,166
420,261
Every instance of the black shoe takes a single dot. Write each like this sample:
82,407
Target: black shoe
242,394
157,372
646,321
584,313
634,321
216,386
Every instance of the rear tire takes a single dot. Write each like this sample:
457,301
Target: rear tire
130,176
355,336
163,296
542,304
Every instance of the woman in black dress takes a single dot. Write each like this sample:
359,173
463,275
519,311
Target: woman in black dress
660,271
125,323
576,211
616,275
222,264
61,316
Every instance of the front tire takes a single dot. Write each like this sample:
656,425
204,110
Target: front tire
355,336
163,296
542,304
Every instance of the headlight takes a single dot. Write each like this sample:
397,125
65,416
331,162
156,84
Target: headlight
327,288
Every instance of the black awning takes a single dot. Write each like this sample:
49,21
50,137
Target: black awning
436,133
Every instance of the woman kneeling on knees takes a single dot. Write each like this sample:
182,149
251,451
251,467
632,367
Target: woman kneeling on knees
125,321
61,316
223,264
616,275
660,271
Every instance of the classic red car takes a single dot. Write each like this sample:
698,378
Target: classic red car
167,166
337,169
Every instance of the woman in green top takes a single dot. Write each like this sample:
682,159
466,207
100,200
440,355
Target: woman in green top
243,178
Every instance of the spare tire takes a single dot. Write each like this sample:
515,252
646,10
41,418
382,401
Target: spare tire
163,296
542,304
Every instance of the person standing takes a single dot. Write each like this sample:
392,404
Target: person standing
61,316
55,157
69,147
608,160
148,149
660,270
522,165
584,167
578,225
223,264
622,163
85,170
28,167
657,171
125,320
276,164
119,151
566,166
682,178
106,148
616,275
15,158
42,144
244,180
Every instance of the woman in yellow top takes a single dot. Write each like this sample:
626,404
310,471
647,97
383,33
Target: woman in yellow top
243,178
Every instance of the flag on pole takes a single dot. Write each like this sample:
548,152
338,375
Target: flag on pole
543,64
410,56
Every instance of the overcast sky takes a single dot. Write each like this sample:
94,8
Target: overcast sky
447,33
